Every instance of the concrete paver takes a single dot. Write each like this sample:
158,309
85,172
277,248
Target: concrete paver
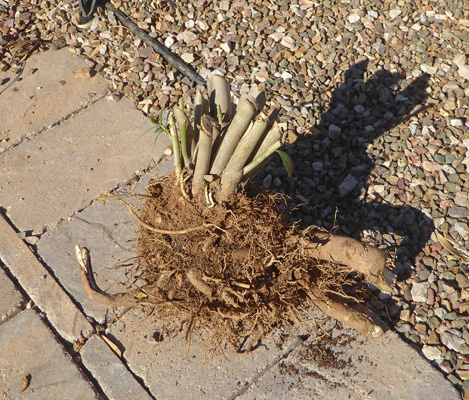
11,300
62,170
114,378
40,99
374,369
28,347
109,232
171,371
385,368
41,287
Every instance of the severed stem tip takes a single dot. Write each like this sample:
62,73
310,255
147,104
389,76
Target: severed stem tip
83,257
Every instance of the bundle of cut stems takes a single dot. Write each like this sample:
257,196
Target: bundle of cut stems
219,144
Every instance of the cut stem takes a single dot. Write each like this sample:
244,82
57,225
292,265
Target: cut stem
219,115
259,159
208,129
199,110
176,150
247,144
247,108
233,173
219,94
187,133
272,136
259,95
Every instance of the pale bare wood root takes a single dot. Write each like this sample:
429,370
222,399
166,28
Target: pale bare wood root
334,309
126,299
359,321
354,319
196,281
369,261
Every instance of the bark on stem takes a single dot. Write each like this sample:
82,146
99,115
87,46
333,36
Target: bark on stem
199,110
219,94
233,173
187,136
247,108
176,150
247,144
207,130
259,95
274,134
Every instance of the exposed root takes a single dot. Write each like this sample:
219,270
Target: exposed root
161,231
369,261
201,286
92,290
242,269
339,311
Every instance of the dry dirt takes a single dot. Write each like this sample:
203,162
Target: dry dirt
241,273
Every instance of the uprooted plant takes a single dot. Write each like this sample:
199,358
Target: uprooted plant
223,254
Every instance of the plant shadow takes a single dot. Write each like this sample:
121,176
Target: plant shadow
352,175
345,189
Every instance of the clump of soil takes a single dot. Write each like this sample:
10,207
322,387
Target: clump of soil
241,273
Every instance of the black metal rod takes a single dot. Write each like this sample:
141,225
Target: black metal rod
173,59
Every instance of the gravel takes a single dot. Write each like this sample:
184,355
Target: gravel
378,92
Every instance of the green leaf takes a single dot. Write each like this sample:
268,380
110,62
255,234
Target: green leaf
287,162
140,296
153,120
181,104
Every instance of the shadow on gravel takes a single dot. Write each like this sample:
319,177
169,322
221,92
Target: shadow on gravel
361,192
364,109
